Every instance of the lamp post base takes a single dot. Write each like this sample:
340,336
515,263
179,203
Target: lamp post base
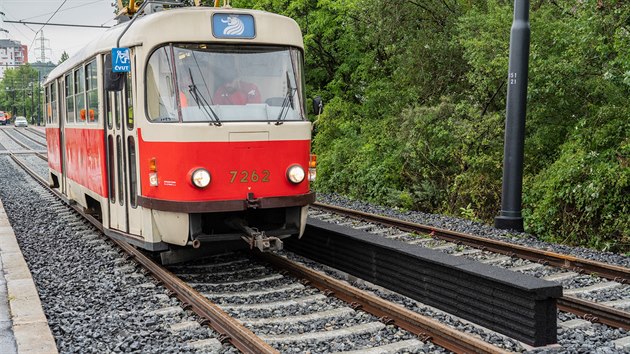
509,223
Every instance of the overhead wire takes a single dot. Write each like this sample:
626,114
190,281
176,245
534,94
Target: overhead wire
47,21
44,25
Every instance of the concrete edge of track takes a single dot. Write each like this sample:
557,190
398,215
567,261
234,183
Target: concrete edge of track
29,327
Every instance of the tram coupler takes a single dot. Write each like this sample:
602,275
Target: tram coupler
258,239
254,237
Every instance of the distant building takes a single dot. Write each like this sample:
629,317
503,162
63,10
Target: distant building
24,53
12,53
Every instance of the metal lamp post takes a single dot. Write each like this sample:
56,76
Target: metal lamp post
30,92
513,155
24,100
11,91
39,100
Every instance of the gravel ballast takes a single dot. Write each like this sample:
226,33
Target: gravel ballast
95,300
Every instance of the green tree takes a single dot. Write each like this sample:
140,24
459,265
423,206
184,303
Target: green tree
64,57
20,90
418,114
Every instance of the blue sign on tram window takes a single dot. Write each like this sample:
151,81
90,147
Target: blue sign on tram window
233,26
120,60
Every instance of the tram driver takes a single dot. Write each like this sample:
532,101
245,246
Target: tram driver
235,91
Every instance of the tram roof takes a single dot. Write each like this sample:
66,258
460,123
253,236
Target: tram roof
190,24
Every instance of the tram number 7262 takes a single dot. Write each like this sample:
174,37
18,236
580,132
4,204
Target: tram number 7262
246,176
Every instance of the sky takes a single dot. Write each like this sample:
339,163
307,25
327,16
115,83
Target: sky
57,39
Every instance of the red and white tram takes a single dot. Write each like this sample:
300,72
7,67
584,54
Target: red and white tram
203,142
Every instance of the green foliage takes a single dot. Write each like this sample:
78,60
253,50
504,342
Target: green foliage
19,95
584,196
361,164
64,57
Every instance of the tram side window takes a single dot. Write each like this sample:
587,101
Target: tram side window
117,108
121,177
160,90
53,95
109,99
131,152
69,91
112,175
79,96
92,92
129,92
47,104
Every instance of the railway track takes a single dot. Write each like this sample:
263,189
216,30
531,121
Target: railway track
36,132
253,335
27,146
486,250
39,139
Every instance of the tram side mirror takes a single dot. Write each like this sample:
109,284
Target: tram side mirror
113,81
318,105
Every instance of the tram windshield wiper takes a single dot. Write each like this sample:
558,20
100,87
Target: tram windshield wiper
199,99
288,101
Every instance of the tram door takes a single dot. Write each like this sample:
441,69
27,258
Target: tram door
120,142
116,171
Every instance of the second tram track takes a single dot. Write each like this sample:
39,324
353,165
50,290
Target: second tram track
482,249
28,149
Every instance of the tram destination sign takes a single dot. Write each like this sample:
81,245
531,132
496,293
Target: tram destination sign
120,60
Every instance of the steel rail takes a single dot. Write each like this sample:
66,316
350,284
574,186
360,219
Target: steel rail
36,132
581,265
230,329
594,312
390,313
588,310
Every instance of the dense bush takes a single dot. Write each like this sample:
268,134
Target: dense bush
584,196
416,105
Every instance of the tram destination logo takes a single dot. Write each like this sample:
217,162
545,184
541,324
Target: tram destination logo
233,26
120,60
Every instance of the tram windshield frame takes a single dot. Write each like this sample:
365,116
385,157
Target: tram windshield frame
219,83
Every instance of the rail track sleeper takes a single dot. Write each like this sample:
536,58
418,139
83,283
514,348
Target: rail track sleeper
443,335
203,321
234,332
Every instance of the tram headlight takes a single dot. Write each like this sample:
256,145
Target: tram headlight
153,179
201,178
153,176
312,168
295,174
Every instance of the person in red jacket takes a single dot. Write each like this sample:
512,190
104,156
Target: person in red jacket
236,92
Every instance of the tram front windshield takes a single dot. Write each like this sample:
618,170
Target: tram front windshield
220,83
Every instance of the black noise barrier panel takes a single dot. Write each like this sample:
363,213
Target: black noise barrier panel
517,305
